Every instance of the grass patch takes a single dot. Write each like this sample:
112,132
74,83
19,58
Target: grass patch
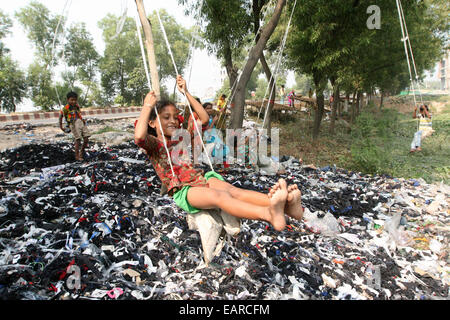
378,143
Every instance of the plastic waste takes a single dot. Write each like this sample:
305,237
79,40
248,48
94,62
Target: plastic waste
325,224
107,217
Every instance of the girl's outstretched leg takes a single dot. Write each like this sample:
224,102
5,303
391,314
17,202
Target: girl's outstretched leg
208,198
254,197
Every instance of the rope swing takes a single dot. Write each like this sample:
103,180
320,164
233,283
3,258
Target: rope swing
277,67
150,88
64,14
184,93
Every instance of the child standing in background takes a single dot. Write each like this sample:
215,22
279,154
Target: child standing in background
72,113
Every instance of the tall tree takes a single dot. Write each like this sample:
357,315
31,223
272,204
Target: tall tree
331,40
122,57
5,26
81,55
253,57
257,6
40,26
12,79
225,27
179,39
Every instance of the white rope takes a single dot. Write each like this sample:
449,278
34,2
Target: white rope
122,19
184,92
283,44
167,42
238,77
150,88
410,50
191,50
55,36
404,39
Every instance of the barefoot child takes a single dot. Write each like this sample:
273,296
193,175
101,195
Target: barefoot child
72,113
192,190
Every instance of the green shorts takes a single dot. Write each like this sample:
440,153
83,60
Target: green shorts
180,197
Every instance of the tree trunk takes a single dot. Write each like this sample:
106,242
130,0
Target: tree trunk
381,99
232,76
318,114
147,27
358,102
253,57
334,108
267,122
352,106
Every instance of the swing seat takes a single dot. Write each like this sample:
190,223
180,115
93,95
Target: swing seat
210,224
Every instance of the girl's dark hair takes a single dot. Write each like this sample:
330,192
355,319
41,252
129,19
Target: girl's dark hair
160,105
206,104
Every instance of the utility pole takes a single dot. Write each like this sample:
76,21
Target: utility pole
147,27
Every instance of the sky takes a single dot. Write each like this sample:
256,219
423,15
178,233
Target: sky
207,73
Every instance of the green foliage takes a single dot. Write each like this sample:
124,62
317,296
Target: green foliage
120,58
381,140
179,39
12,84
303,83
371,138
5,25
122,69
12,79
82,57
225,24
42,93
40,27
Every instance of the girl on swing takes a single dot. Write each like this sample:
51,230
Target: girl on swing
191,189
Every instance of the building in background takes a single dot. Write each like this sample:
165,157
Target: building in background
444,71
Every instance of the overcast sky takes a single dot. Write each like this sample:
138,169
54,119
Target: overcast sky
206,72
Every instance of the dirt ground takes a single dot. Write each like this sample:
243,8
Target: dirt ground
16,135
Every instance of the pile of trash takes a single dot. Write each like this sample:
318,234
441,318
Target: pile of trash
100,229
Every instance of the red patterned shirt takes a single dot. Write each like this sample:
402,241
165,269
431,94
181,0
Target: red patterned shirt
185,173
71,113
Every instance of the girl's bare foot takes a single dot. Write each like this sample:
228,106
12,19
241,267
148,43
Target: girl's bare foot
277,202
293,203
274,188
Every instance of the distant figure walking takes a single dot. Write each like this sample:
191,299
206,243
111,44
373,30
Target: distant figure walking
282,94
291,97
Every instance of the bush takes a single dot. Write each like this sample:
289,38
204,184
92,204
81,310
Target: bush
371,141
